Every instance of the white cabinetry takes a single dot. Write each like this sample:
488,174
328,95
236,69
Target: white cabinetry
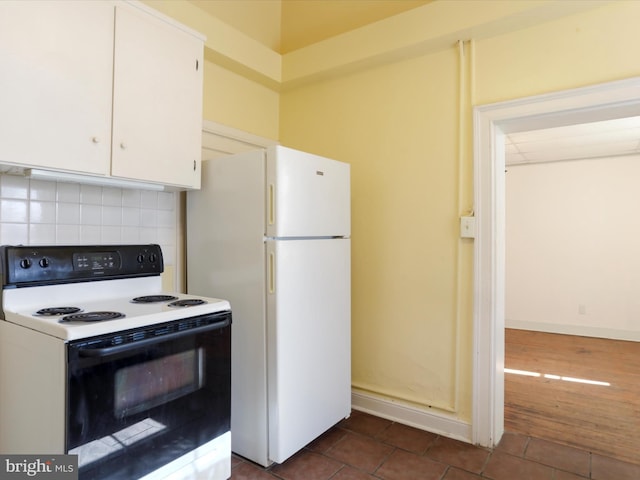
56,61
157,100
101,88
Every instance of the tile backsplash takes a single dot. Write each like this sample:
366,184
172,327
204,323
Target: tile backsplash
37,212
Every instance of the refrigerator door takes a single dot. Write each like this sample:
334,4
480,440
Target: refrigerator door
309,340
307,195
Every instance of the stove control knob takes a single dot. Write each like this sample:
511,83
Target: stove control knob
140,258
153,258
25,263
44,262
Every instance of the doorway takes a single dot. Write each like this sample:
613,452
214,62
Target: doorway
491,123
571,286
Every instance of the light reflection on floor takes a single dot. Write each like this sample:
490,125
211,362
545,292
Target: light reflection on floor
556,377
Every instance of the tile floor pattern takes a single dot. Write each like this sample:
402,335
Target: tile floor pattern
365,447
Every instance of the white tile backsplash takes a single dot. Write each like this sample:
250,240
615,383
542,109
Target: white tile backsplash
43,191
13,233
40,233
166,218
13,210
132,235
111,234
149,217
130,216
148,235
68,213
91,194
67,192
67,235
166,201
42,212
148,199
112,196
37,212
131,198
14,187
111,216
90,234
90,214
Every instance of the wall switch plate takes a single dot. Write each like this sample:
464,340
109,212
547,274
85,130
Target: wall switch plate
468,227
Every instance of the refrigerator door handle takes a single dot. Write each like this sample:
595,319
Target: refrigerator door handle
272,274
272,201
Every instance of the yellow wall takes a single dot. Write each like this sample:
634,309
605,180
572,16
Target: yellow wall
231,99
395,118
398,127
596,46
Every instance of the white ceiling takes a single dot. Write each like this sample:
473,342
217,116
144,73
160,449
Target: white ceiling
574,142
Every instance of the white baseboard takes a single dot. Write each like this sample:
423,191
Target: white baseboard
580,330
432,421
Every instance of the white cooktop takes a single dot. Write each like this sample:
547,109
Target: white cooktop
21,304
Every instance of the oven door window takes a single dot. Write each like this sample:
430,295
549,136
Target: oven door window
140,387
136,405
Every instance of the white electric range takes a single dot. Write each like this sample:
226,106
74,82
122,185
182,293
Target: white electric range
97,361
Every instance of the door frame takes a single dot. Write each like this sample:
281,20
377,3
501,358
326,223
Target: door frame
491,122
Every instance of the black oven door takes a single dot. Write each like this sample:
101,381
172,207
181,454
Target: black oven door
139,399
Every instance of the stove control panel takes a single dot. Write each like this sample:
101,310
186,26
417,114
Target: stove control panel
96,261
39,265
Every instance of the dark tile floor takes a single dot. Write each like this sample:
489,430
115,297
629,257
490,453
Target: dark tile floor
365,447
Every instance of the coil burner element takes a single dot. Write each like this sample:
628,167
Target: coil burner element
187,302
92,317
51,311
154,299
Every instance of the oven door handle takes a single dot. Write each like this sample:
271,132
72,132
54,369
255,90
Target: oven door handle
108,351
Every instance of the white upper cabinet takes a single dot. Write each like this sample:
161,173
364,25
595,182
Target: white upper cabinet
157,101
56,61
102,88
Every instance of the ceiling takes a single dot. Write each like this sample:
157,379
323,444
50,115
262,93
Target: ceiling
305,22
288,25
574,142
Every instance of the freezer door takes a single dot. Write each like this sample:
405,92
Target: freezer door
309,340
307,195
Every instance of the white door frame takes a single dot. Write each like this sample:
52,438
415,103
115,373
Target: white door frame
606,101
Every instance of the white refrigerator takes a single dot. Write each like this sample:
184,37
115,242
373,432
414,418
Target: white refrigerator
270,232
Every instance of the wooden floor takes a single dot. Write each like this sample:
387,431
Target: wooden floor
603,419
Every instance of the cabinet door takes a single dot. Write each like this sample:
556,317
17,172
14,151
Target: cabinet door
55,85
157,104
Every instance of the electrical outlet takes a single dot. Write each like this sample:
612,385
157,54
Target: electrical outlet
468,227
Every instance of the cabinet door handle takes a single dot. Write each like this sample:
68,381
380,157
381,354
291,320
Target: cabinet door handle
194,165
123,145
95,139
197,64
